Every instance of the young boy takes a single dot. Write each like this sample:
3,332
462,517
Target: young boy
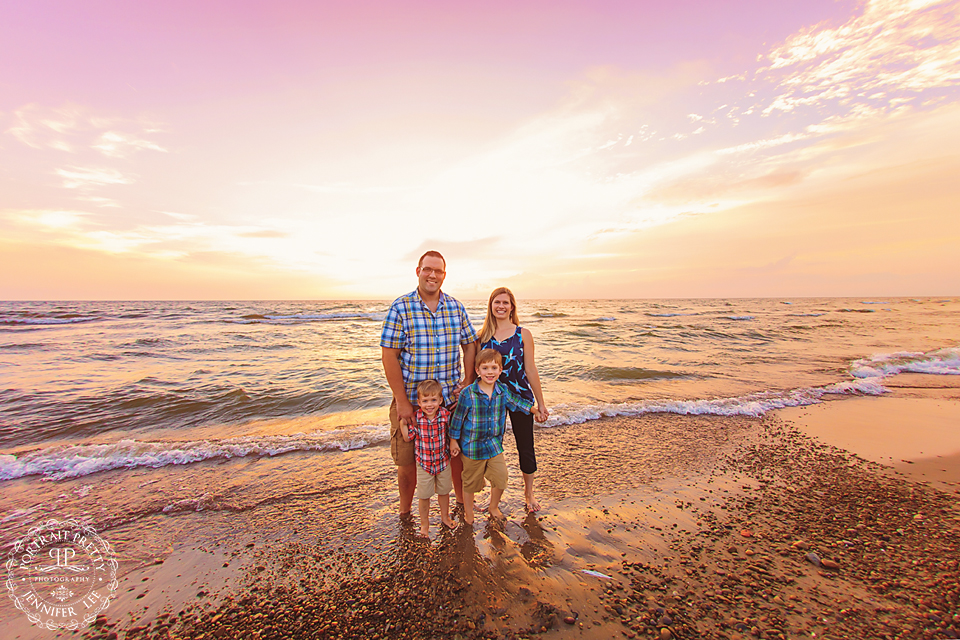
476,430
432,452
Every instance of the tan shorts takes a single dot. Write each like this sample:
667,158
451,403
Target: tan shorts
427,485
474,471
400,449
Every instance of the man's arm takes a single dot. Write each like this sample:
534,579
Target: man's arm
391,367
469,358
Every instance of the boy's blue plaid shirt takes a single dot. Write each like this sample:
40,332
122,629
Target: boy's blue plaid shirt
429,342
478,422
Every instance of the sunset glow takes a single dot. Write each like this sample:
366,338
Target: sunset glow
291,150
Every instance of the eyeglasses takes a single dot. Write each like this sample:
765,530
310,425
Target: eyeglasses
427,271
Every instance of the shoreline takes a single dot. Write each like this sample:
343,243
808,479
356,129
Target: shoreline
699,527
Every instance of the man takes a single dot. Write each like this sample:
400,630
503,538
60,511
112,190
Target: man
422,336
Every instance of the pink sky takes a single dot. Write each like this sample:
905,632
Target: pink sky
565,149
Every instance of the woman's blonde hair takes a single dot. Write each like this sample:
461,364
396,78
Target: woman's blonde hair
490,323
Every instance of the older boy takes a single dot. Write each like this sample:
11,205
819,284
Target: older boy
429,433
476,430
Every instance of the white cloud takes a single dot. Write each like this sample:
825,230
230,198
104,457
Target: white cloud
83,177
895,49
73,129
120,145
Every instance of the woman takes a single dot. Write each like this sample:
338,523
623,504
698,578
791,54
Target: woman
501,331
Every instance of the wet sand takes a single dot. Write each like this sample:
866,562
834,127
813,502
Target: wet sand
662,526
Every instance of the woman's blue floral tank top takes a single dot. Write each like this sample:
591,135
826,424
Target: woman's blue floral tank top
514,374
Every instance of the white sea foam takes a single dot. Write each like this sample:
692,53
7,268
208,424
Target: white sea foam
739,317
669,315
73,461
754,405
807,315
882,365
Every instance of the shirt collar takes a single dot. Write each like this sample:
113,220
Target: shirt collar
476,387
440,303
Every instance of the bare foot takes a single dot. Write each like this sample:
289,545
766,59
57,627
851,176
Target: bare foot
424,533
495,513
468,518
449,523
532,505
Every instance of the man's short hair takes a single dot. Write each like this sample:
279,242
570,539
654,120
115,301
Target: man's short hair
432,254
489,355
430,388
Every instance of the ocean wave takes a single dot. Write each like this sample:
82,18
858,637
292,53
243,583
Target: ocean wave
630,373
882,365
26,346
40,322
807,315
549,314
74,461
668,315
296,318
752,405
739,317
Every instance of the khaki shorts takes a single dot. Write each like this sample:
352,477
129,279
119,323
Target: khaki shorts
427,485
474,471
400,449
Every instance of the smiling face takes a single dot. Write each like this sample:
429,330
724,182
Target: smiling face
489,371
429,404
501,306
431,273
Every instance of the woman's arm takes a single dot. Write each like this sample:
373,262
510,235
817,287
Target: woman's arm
533,376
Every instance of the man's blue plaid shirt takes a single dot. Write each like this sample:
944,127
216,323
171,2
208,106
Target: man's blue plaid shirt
478,422
429,342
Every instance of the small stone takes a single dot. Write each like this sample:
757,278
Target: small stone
569,620
813,559
746,533
801,544
665,634
827,563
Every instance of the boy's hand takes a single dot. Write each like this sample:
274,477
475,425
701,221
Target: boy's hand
454,448
541,414
405,432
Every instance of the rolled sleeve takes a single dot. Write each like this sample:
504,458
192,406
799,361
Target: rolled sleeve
467,333
393,336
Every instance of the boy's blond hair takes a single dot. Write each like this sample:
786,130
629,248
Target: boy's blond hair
430,388
489,355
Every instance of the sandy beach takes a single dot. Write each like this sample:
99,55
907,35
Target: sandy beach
665,527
